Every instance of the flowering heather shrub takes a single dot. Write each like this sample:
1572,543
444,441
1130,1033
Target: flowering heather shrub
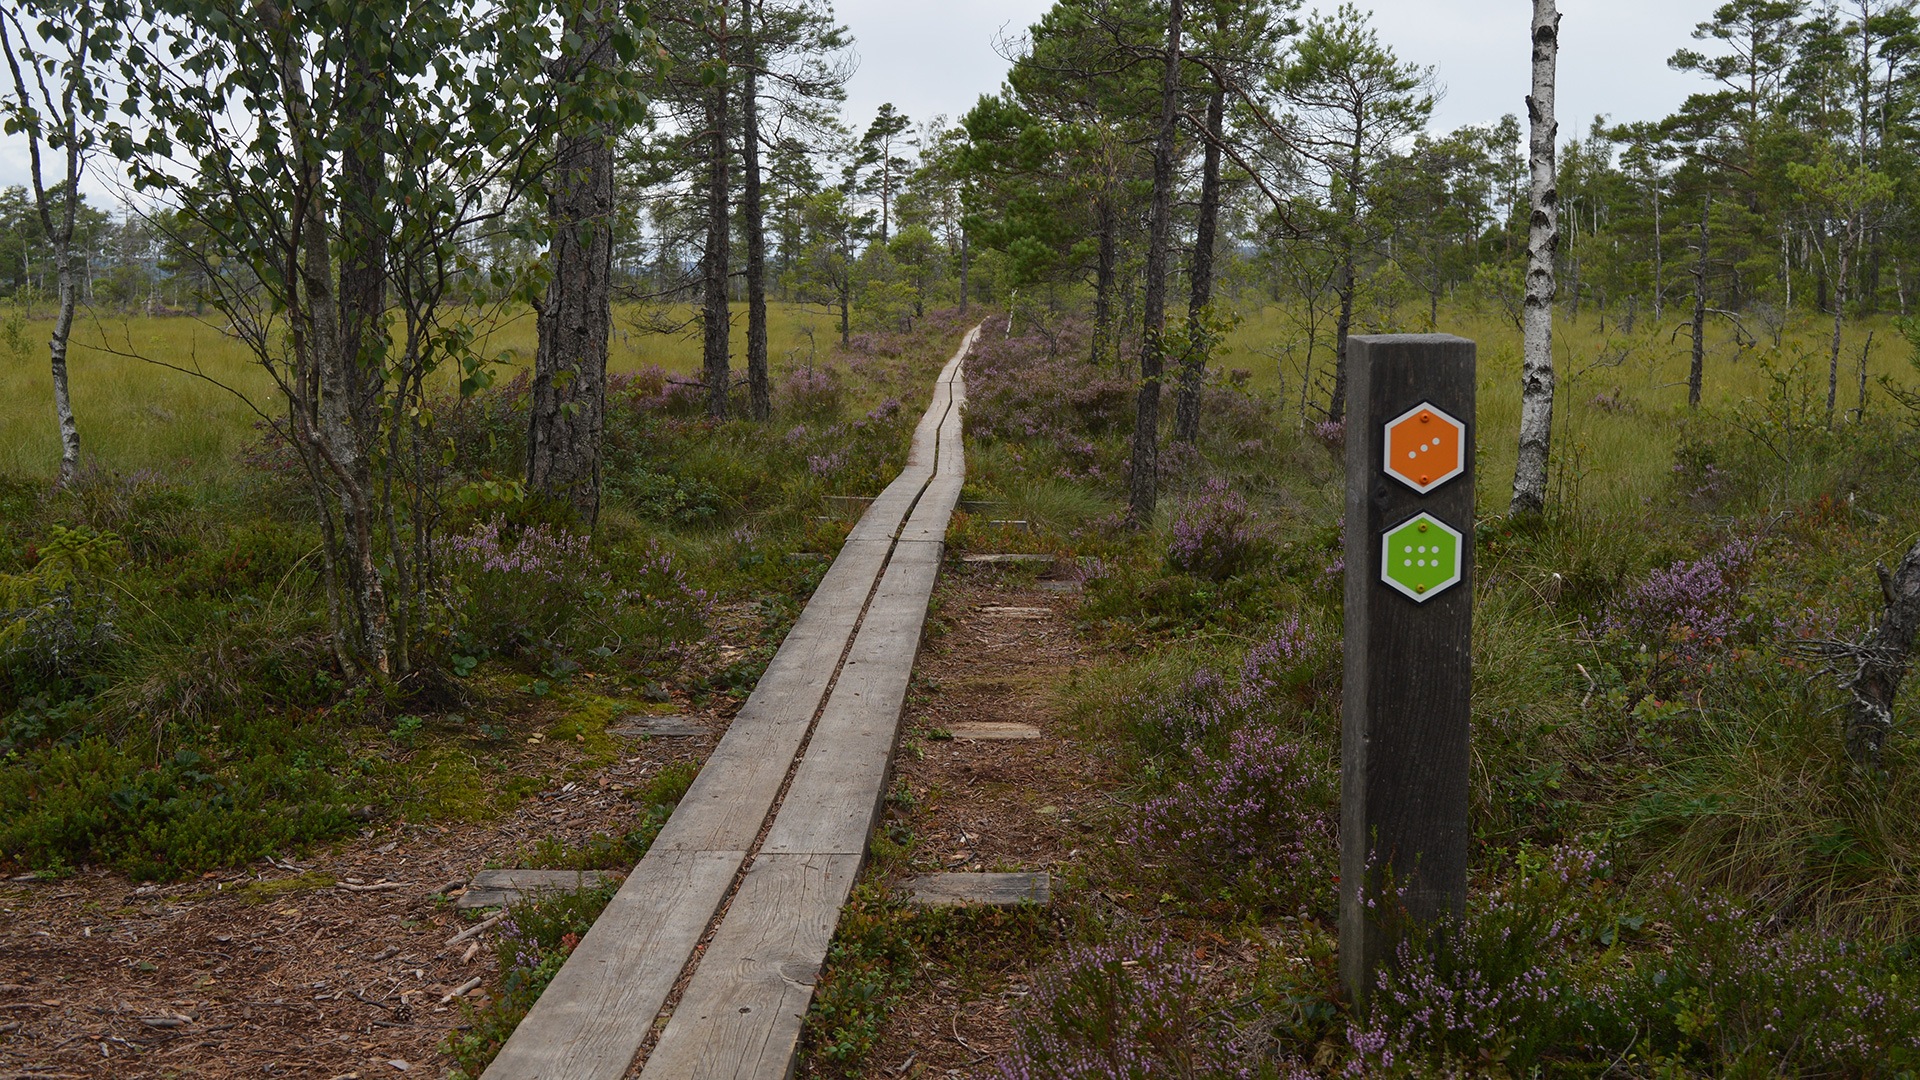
813,393
1332,434
653,615
515,589
1685,610
1214,535
1532,974
1260,812
1033,388
1292,669
1132,1009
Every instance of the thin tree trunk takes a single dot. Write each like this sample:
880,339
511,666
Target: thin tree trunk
1193,367
1543,237
716,319
1866,352
963,273
361,374
1342,327
1659,279
1144,486
1839,317
1104,275
759,391
334,442
1696,370
575,323
57,353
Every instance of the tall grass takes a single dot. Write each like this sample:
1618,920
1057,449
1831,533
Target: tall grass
1622,400
135,413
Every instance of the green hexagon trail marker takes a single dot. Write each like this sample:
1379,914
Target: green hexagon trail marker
1421,558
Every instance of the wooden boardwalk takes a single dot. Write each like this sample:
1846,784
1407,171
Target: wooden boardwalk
836,687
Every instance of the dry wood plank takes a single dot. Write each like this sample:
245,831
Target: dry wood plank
993,730
591,1020
1009,558
494,888
729,800
836,793
741,1014
1000,890
664,727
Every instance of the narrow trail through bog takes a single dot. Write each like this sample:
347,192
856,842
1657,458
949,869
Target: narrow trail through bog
726,921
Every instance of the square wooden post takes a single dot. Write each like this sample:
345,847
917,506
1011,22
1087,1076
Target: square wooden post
1409,631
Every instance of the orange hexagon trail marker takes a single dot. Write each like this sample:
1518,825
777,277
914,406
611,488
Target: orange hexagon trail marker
1425,448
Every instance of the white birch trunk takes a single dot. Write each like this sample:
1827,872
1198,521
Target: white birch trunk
1536,378
57,348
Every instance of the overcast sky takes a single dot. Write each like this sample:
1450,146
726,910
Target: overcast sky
938,57
933,57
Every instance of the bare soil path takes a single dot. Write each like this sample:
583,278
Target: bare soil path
1000,648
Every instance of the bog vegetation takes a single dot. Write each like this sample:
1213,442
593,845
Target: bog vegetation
342,505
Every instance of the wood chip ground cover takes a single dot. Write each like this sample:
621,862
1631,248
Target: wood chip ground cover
334,965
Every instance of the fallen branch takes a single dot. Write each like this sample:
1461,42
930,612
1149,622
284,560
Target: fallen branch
476,929
1872,669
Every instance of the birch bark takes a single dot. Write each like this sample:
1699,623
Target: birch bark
1543,239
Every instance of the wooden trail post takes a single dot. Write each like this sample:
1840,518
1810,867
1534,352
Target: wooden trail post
1409,631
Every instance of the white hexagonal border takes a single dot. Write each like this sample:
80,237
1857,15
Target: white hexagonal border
1386,444
1386,554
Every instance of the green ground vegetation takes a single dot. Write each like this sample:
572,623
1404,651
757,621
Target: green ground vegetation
1677,872
168,700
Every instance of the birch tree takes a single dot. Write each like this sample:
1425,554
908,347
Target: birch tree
57,52
1543,239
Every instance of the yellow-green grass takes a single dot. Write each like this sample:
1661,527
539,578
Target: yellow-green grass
135,413
1617,450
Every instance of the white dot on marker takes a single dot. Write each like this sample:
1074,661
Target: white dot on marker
1406,562
1411,454
1423,562
1436,442
1409,551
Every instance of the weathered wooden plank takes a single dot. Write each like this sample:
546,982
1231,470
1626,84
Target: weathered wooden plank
741,1014
993,731
1000,890
600,1007
837,790
1006,559
496,888
664,727
729,800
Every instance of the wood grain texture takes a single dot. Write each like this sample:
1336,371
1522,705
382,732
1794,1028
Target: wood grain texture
740,1016
591,1020
837,790
495,888
1408,673
998,890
